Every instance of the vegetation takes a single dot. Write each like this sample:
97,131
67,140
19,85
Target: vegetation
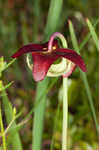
31,113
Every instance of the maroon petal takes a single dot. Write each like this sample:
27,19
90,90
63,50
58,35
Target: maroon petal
28,48
41,64
72,56
33,48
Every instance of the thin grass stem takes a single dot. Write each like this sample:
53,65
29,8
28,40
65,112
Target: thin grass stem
65,114
84,77
55,125
54,15
2,131
93,33
16,142
38,122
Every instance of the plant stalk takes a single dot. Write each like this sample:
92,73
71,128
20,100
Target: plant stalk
52,24
38,122
2,131
65,114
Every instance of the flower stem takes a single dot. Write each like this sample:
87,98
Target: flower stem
38,122
65,114
2,131
53,36
65,98
55,6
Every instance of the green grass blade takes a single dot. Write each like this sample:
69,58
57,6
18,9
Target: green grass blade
73,37
51,26
2,131
90,99
83,75
37,18
38,122
88,36
10,63
16,142
55,125
53,17
5,87
93,33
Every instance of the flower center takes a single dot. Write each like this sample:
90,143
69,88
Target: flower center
49,51
54,48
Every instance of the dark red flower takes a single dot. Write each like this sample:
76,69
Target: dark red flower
43,59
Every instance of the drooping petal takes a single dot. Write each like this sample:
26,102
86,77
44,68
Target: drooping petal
41,64
72,56
28,48
33,48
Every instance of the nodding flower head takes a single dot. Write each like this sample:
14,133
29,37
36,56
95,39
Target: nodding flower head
44,55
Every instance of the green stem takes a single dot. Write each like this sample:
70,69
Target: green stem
39,115
37,18
55,124
92,109
2,131
65,99
52,24
65,114
53,20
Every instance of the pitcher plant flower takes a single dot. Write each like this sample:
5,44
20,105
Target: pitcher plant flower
44,55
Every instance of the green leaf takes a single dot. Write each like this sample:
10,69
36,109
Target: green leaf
88,36
53,17
10,63
16,142
93,33
5,87
2,65
51,26
83,75
39,115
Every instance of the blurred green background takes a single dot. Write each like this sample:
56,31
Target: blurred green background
22,22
